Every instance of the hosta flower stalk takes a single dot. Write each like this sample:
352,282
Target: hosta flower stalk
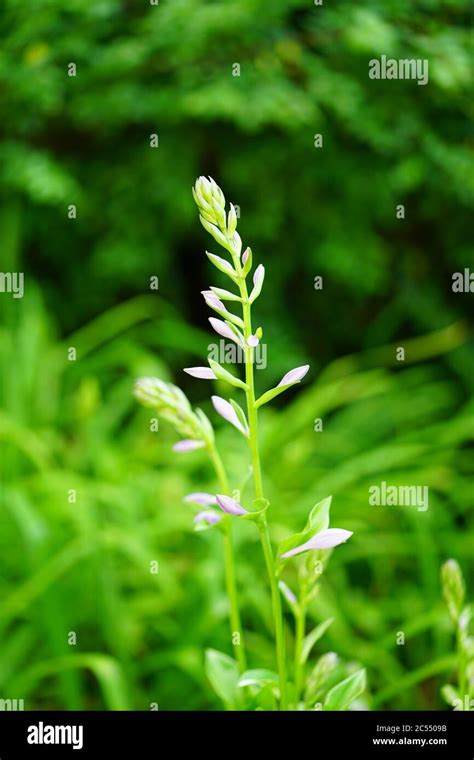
225,508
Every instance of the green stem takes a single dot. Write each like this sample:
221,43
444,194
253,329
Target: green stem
277,611
258,483
219,469
250,394
231,586
229,565
299,637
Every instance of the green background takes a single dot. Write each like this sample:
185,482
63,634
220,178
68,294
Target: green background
306,212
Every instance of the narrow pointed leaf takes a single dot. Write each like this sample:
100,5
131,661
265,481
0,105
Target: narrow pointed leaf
258,677
240,414
239,338
341,695
310,640
218,236
223,674
225,295
224,374
217,305
271,394
223,265
293,377
318,519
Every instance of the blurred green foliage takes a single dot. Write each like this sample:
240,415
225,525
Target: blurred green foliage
306,211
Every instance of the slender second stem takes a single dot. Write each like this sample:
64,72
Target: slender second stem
300,627
219,468
277,611
229,565
231,586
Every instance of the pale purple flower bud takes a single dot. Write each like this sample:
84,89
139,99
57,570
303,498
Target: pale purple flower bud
210,517
222,329
187,445
258,277
325,539
202,498
228,412
294,376
202,373
214,302
230,506
237,244
253,341
245,255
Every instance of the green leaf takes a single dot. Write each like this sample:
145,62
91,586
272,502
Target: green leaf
318,518
237,333
317,521
229,317
223,674
289,543
269,395
224,374
223,265
216,233
310,640
240,414
259,677
225,295
321,675
341,695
